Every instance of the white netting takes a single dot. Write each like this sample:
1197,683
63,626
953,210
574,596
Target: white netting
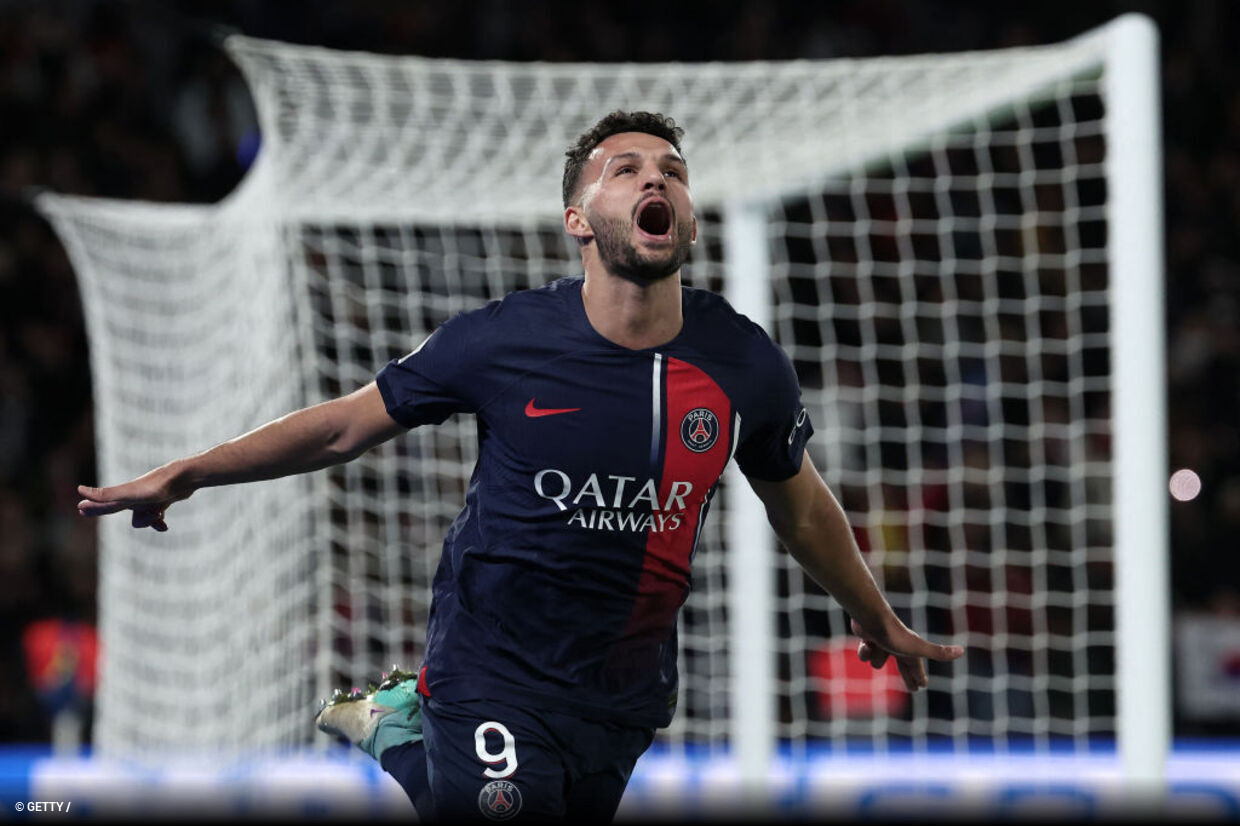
948,315
938,241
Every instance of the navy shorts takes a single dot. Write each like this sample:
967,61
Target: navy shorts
494,761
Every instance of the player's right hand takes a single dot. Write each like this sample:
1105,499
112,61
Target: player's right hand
148,497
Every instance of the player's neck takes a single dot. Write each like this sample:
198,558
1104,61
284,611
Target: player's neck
632,315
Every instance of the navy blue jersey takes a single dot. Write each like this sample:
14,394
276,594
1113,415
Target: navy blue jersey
561,579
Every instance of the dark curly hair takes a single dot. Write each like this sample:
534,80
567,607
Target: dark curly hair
652,123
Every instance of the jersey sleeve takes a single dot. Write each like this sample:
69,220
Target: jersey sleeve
771,448
437,378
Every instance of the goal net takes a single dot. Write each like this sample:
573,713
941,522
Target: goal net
934,243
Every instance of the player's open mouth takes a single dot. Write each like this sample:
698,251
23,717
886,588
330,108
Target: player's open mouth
654,219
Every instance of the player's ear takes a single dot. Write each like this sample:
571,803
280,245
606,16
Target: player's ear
576,224
693,235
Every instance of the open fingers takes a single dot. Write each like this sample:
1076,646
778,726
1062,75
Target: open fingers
908,643
89,508
101,501
148,507
943,653
142,517
90,494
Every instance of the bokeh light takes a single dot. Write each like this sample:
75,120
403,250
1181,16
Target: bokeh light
1185,485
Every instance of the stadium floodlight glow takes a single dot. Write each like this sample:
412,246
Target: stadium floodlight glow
960,252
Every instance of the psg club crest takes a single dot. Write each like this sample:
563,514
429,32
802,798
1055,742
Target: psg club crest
499,800
699,430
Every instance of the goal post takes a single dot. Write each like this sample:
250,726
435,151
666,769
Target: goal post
1139,364
961,253
747,279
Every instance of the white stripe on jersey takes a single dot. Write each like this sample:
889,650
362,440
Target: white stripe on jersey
657,413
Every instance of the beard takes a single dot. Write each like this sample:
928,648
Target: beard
621,256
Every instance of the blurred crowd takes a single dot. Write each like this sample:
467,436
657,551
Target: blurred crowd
133,100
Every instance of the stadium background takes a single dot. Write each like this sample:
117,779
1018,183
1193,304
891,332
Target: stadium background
133,100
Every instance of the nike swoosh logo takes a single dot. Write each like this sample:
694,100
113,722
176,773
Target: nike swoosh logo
534,412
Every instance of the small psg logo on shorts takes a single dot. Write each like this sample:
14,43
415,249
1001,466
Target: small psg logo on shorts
499,800
699,430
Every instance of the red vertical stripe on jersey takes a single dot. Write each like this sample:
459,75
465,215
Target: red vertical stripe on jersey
665,568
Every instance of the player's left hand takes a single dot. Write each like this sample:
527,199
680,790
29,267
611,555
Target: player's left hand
907,647
148,496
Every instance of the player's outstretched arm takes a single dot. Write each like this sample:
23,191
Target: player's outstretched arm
813,526
305,440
